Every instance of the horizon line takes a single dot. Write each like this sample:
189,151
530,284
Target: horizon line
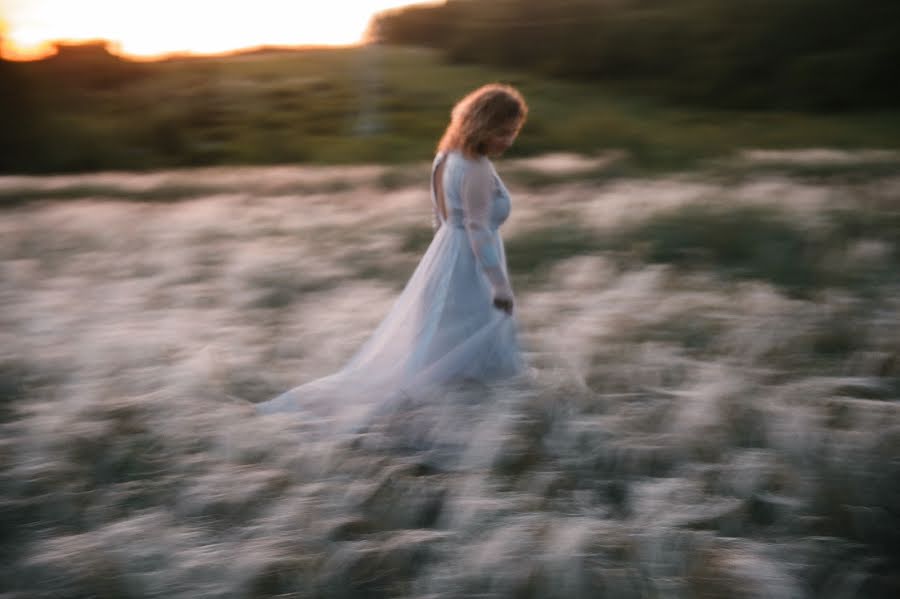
113,47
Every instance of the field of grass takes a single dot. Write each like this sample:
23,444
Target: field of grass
372,104
712,413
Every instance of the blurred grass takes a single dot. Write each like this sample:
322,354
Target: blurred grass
821,172
164,193
161,193
858,249
747,242
377,104
684,411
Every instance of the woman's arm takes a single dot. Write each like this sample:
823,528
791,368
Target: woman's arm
477,194
435,221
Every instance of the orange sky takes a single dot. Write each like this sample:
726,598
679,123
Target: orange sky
150,28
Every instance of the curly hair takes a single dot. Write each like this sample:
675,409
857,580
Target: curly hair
482,113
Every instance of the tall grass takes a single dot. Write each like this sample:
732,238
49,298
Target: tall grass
701,420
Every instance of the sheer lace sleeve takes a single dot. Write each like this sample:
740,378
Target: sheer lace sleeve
477,193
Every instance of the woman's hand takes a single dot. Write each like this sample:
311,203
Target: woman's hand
504,303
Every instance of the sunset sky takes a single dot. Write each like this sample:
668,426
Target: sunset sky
150,28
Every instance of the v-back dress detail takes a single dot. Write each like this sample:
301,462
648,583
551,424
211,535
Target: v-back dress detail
443,328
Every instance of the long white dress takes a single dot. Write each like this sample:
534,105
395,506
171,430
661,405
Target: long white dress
443,329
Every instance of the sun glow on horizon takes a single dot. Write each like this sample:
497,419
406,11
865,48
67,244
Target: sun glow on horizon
156,28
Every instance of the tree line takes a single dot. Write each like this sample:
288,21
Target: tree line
822,55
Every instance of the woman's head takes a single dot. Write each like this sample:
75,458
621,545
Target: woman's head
486,121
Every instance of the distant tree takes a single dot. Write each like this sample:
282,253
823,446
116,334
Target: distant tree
807,54
418,25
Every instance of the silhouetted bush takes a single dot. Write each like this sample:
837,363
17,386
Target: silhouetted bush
90,65
17,142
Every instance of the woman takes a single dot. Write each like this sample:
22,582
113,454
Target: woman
453,321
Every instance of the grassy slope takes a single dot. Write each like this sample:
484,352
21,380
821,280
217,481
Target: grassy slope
389,105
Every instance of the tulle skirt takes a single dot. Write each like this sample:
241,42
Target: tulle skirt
442,331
